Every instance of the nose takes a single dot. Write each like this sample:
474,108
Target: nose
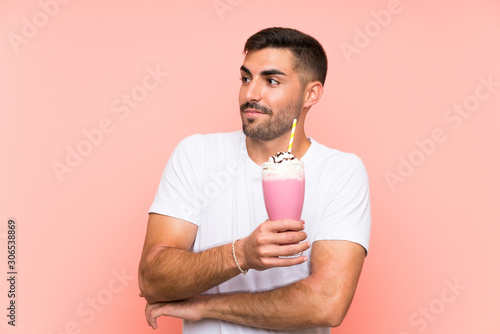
253,91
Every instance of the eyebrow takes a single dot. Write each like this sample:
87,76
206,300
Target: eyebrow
264,73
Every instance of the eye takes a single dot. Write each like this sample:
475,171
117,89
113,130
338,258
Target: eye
244,79
273,82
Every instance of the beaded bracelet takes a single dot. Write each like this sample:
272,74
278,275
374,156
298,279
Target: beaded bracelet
244,272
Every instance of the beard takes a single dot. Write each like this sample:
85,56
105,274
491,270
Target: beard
276,125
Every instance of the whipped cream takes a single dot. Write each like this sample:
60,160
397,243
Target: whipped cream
282,157
283,165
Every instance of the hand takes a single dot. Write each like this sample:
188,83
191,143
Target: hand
263,247
187,309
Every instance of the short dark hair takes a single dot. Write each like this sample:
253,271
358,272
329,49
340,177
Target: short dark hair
310,57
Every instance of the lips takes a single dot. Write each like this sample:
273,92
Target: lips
255,109
253,112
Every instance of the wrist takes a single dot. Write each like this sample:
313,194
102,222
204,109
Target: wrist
202,306
239,259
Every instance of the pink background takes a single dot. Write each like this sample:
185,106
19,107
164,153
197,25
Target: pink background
435,227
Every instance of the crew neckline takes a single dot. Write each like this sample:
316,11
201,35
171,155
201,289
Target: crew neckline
258,168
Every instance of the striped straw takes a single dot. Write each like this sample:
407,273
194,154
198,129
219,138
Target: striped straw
291,135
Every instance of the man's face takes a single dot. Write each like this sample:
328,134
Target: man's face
271,94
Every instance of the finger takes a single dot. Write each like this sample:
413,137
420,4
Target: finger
148,314
154,314
289,250
153,311
285,262
275,251
285,225
286,250
289,237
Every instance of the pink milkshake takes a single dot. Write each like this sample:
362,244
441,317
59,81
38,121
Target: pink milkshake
284,185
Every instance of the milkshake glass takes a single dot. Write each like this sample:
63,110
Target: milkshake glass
283,183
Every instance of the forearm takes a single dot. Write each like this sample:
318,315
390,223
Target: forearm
174,274
320,300
299,305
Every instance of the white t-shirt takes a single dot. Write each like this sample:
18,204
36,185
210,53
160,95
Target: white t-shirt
211,181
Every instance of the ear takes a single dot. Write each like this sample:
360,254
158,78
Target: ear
312,93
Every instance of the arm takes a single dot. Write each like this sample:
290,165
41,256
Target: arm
322,299
169,271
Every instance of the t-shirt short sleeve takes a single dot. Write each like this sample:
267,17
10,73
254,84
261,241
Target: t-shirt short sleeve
178,194
347,214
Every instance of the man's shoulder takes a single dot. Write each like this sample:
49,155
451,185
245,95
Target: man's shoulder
337,166
212,137
324,154
198,139
211,144
233,136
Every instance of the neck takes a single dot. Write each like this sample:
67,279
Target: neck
260,150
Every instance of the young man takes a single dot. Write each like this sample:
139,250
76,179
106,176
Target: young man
208,224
